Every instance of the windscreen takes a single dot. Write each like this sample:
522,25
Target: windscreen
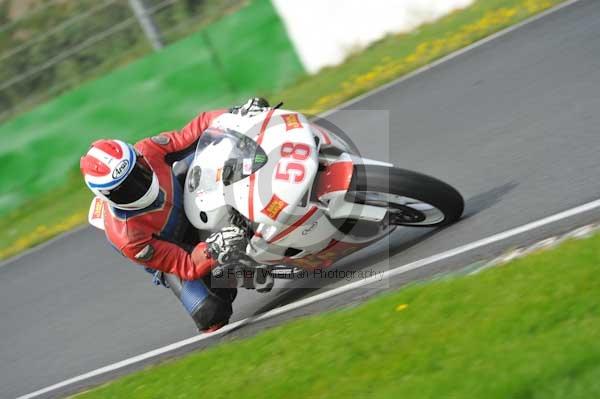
225,156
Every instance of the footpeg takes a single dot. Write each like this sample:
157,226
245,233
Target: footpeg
263,280
257,278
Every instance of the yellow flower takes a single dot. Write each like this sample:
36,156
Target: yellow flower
428,50
401,307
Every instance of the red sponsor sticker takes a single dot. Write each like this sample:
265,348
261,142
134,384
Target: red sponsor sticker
274,207
291,121
98,207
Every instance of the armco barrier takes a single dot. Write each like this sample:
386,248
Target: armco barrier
242,54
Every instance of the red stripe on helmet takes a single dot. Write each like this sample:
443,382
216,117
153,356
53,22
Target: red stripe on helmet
92,166
110,147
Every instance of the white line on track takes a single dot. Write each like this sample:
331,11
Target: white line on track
352,286
327,294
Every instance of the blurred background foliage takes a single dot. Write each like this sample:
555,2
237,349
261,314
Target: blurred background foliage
50,46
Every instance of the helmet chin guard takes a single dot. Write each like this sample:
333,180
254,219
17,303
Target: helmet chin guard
112,172
146,200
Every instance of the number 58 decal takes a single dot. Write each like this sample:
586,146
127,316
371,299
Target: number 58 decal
287,168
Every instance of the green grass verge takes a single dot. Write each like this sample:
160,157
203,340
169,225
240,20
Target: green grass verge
52,214
382,62
525,330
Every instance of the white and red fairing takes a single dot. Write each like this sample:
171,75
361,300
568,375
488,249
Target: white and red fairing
291,197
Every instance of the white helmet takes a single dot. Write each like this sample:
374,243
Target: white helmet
112,171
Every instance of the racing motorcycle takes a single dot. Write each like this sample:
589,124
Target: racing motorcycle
302,192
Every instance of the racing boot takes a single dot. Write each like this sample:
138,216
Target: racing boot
210,309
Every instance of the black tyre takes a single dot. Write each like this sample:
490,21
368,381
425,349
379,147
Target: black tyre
412,199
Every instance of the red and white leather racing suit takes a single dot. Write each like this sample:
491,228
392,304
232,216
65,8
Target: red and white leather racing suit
153,236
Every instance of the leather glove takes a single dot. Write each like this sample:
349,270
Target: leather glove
252,107
227,245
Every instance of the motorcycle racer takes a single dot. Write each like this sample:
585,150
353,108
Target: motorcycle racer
141,203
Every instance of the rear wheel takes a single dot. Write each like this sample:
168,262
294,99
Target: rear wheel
412,199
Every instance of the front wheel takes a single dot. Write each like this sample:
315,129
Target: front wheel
412,199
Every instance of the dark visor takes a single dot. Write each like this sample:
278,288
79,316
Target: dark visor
134,187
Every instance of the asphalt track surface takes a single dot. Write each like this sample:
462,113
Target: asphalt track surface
512,123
